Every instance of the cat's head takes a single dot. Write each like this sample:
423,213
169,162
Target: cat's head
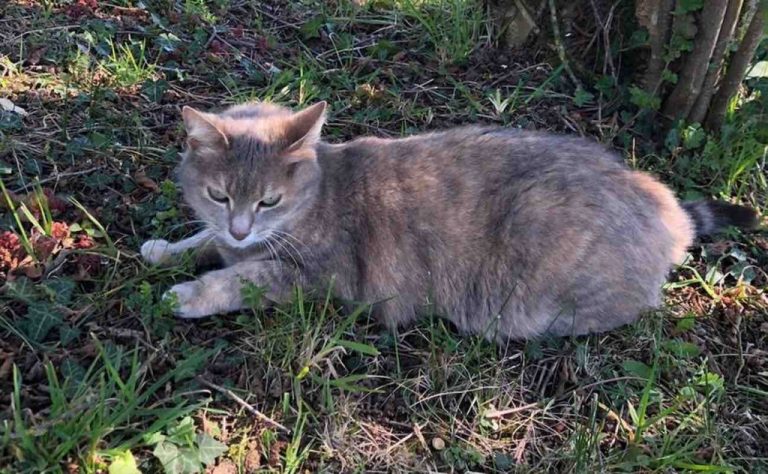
251,170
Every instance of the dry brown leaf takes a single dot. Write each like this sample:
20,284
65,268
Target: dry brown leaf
145,181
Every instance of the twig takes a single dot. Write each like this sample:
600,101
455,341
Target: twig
248,407
59,176
502,413
560,47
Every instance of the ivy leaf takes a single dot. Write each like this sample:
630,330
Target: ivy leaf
124,463
189,461
168,455
183,433
68,334
177,460
209,449
40,319
154,438
60,289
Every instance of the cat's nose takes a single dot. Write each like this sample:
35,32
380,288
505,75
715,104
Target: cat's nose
238,235
240,226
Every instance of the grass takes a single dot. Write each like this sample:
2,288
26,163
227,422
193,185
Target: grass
95,373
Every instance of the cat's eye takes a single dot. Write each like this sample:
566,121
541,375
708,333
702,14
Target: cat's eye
218,196
270,201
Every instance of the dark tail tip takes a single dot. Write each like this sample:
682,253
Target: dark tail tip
734,215
710,217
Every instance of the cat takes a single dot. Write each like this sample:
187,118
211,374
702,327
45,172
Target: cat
509,234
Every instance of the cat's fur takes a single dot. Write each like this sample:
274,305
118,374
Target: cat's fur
506,233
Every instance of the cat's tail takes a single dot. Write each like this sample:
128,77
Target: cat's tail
710,217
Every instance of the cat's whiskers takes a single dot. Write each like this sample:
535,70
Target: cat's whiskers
286,235
282,243
272,252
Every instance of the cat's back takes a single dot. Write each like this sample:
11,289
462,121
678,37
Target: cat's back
476,146
469,157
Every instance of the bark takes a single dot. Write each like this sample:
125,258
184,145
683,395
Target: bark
513,21
656,17
716,63
737,68
688,87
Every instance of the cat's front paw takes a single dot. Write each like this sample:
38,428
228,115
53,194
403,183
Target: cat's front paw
156,251
190,300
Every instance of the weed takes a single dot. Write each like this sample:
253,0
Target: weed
453,27
128,65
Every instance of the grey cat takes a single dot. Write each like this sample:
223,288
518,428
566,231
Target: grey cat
509,234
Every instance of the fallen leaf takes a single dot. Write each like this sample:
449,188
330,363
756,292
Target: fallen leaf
145,181
5,369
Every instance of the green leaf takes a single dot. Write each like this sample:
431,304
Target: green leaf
209,449
643,99
311,29
154,438
709,382
685,324
582,97
348,383
672,139
681,348
99,140
124,463
669,76
68,334
366,349
40,319
760,69
154,90
636,368
189,460
693,137
168,41
183,433
686,6
168,455
60,289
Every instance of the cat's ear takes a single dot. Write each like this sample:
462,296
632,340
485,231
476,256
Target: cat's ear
304,127
202,131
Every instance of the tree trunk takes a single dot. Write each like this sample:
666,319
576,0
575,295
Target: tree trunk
737,68
650,15
681,100
716,63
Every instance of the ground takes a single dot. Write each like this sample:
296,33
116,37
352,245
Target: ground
96,375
